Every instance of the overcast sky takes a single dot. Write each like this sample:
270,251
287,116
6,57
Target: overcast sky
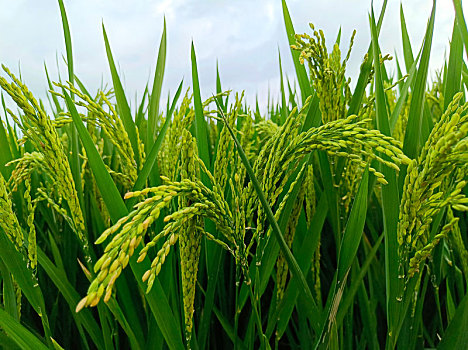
244,36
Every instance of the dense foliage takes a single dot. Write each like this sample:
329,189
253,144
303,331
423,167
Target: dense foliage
335,220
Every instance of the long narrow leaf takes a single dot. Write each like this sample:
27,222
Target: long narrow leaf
301,74
122,104
155,96
19,334
452,80
413,135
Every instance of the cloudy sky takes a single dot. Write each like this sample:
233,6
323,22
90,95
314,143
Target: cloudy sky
242,35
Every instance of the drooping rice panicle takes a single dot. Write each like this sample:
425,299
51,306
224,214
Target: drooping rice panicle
31,206
11,228
434,181
132,228
112,126
8,220
327,72
39,129
189,235
289,233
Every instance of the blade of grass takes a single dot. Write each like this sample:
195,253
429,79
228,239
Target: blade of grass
399,74
141,112
25,280
453,78
354,229
348,300
153,154
68,43
304,258
348,249
390,197
9,295
74,158
456,334
58,108
11,133
301,74
366,67
228,328
413,139
292,94
81,86
111,195
403,95
461,23
200,124
332,194
407,50
153,112
5,154
59,278
284,106
122,104
19,334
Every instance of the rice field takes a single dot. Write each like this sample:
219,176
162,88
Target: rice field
337,219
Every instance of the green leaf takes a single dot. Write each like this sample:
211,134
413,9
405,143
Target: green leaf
284,105
9,295
366,68
153,155
353,230
452,80
407,50
58,108
153,112
141,112
348,249
82,87
301,74
456,334
122,104
352,289
402,98
305,254
413,135
5,154
59,278
74,158
461,23
200,124
23,276
109,192
68,43
390,196
19,334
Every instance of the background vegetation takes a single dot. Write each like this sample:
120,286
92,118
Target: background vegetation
336,220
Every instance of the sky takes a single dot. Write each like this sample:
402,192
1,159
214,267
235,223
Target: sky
243,37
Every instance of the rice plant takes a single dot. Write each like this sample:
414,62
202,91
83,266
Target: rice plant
337,219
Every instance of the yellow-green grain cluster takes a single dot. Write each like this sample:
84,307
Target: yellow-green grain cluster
38,128
113,127
327,72
433,182
8,220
